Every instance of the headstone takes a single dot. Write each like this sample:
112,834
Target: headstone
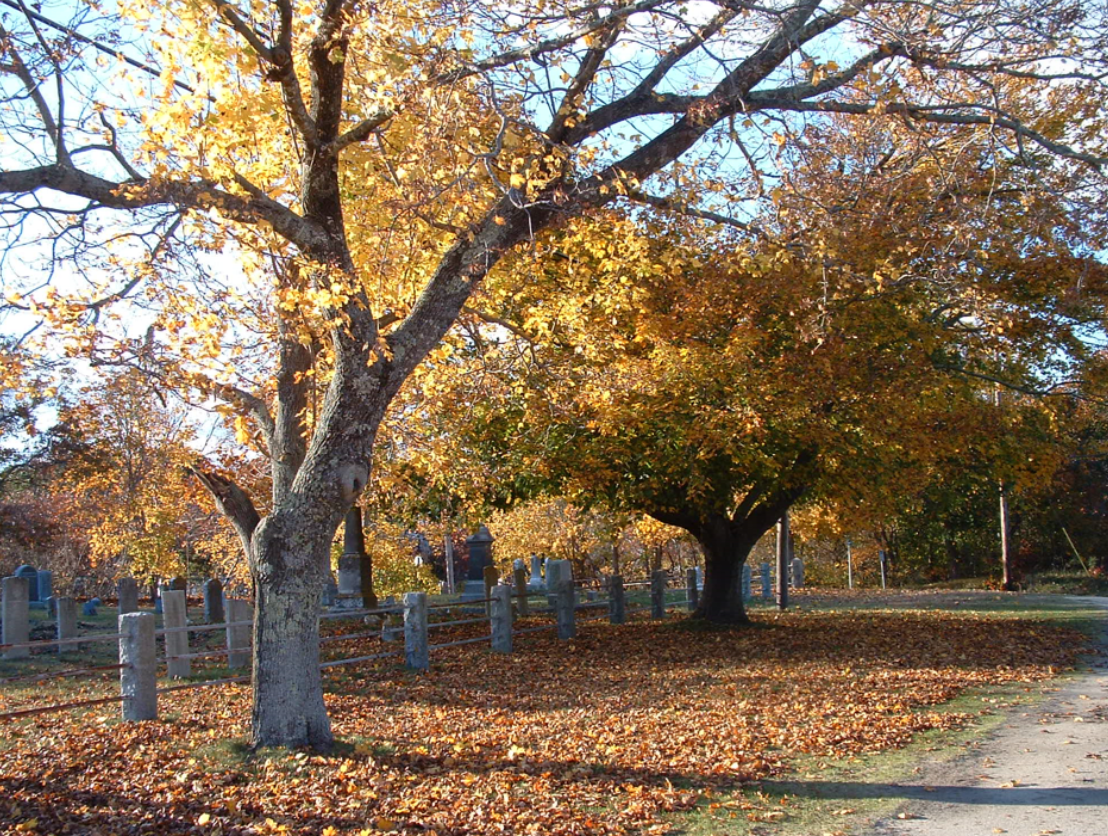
15,613
52,607
536,582
699,577
127,590
89,608
767,588
748,579
353,545
692,590
179,584
30,573
67,621
349,596
590,594
45,584
213,601
480,557
798,573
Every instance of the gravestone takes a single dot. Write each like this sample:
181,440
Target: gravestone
767,589
536,582
30,574
45,585
51,607
213,601
353,545
89,609
330,592
127,591
14,612
480,557
179,584
748,578
798,573
349,596
67,621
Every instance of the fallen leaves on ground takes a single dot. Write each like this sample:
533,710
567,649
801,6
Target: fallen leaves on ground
605,734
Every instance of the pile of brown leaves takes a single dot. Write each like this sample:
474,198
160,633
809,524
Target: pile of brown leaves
600,735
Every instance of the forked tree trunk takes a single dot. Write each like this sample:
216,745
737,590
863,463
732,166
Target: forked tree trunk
289,561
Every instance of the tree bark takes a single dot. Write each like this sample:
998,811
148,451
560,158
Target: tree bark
289,561
726,545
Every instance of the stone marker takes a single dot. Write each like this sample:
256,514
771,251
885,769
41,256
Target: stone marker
52,607
350,583
138,681
67,622
30,574
416,651
536,582
748,579
330,592
89,609
15,612
500,616
213,601
767,588
692,589
127,591
559,581
480,557
177,641
617,601
658,594
45,585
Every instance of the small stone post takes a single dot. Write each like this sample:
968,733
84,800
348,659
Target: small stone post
213,601
617,601
748,582
559,580
138,678
520,576
238,638
501,619
177,642
15,610
67,622
658,594
767,587
127,591
691,588
416,651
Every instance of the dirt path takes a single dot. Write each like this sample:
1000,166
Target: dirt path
1045,771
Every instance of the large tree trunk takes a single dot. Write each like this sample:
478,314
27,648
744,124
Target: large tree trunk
726,546
290,555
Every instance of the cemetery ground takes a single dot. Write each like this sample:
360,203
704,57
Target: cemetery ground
668,727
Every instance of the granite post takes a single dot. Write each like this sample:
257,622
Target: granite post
767,587
416,649
692,589
559,581
520,578
138,682
67,622
240,617
658,594
617,601
176,640
500,617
